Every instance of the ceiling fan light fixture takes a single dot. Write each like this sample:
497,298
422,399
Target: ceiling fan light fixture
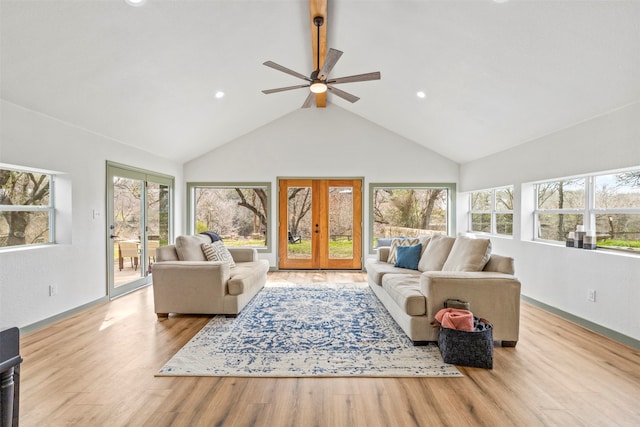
318,86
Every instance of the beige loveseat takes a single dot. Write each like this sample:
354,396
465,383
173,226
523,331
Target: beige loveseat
448,268
184,281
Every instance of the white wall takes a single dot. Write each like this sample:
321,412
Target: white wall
78,264
321,143
556,275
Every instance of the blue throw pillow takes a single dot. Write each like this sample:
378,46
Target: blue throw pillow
409,256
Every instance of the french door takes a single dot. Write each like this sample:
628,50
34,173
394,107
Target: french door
139,210
320,224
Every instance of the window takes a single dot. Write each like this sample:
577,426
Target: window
238,212
410,210
607,204
560,208
491,211
615,215
26,207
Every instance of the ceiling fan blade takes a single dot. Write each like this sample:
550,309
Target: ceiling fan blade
329,63
282,89
342,94
286,70
356,78
309,100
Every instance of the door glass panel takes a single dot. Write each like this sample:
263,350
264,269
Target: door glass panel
299,222
157,220
126,229
340,222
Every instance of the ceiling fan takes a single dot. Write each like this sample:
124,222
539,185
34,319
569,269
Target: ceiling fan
319,81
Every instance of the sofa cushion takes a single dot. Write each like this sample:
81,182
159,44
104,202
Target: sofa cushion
246,275
377,269
188,247
216,251
468,254
436,253
408,256
424,241
400,241
404,289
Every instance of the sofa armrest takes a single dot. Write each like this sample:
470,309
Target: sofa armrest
190,286
382,253
243,254
183,272
493,296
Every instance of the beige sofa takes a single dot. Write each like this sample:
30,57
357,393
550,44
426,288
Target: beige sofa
184,281
449,268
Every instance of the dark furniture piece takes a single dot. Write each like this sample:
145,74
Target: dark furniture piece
294,239
9,377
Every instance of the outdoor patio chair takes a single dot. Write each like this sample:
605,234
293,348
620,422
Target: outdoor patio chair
294,239
128,249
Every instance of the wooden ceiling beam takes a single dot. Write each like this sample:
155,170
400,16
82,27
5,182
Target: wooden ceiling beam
319,8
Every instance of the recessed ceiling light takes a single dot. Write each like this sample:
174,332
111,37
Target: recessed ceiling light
421,94
135,2
219,94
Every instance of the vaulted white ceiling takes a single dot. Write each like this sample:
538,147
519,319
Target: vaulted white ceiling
495,75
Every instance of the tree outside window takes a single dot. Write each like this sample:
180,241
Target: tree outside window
607,204
491,211
409,210
238,213
26,209
616,209
560,208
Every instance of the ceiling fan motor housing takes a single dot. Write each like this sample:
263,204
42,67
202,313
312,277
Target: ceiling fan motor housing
319,77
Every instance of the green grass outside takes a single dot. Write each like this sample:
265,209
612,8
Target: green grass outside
244,242
620,243
337,248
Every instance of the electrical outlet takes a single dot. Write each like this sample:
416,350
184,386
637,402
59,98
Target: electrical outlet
591,295
53,290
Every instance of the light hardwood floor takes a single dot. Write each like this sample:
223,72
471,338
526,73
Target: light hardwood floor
97,368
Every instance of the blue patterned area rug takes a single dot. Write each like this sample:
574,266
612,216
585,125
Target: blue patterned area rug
308,330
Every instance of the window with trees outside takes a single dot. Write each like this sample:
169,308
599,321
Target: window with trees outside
608,204
238,212
491,211
26,207
410,210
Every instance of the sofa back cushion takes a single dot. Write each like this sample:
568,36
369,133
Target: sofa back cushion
436,253
166,253
468,254
189,247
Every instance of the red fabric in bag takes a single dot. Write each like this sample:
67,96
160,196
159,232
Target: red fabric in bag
455,318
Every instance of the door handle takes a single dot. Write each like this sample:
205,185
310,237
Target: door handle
113,237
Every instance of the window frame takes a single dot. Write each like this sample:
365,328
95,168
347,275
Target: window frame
191,208
451,203
492,211
50,208
564,211
589,212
